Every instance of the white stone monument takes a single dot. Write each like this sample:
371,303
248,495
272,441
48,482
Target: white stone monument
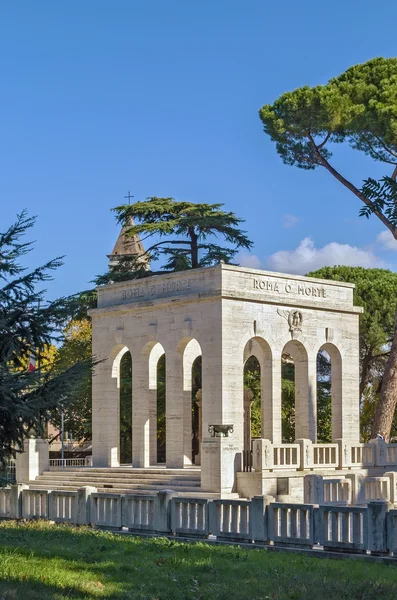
224,314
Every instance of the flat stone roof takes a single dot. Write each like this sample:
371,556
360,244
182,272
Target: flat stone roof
228,282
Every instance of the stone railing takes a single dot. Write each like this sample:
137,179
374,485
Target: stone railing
68,463
306,455
371,528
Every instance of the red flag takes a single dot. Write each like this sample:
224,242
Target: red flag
32,363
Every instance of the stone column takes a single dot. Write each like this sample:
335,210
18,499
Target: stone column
175,400
199,404
141,397
346,401
248,399
223,404
33,461
187,427
105,403
305,397
271,426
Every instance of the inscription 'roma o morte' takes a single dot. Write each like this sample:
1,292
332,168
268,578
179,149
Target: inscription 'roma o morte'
290,288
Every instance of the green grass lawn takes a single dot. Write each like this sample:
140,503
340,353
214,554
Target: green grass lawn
41,561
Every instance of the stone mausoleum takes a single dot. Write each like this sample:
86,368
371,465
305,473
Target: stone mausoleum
214,321
225,314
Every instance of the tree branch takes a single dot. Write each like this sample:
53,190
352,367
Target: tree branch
382,143
350,186
325,141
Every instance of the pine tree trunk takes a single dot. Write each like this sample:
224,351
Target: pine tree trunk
194,248
365,372
388,393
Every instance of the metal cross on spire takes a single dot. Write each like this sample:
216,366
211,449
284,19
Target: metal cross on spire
129,196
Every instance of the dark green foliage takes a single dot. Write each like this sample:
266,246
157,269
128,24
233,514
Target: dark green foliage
28,324
126,409
43,561
252,380
358,108
192,228
161,410
376,292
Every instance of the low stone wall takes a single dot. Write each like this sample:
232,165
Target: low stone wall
357,529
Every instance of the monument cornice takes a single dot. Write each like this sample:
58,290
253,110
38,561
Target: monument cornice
227,282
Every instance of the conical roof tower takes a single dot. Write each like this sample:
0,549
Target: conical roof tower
126,247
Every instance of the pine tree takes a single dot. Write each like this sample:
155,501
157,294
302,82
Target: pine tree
189,231
28,325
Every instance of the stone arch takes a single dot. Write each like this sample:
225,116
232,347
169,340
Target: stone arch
122,359
190,350
336,388
260,349
115,356
305,398
154,352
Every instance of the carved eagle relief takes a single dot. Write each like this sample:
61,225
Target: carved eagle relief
294,319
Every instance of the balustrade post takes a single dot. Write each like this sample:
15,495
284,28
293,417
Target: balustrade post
380,447
345,461
16,500
306,454
83,504
313,486
376,523
262,455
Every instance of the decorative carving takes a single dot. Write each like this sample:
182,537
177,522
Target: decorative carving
294,319
220,430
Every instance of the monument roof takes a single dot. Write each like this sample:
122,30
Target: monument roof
127,245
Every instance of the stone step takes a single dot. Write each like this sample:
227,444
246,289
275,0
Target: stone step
179,493
120,481
68,486
129,470
119,484
118,477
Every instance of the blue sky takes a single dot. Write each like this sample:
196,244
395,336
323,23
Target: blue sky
161,97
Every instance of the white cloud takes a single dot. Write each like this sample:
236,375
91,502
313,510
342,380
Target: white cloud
306,257
249,260
386,240
289,221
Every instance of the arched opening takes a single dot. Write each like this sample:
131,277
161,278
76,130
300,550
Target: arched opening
161,431
196,401
258,394
192,400
329,393
324,399
297,410
252,401
122,372
157,401
287,399
126,409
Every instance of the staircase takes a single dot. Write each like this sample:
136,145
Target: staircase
123,480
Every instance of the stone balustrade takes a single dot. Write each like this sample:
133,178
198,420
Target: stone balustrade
371,527
190,516
306,455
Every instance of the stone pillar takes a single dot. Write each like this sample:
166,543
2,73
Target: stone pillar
153,426
199,405
248,399
105,407
175,400
346,424
271,426
187,427
223,404
33,461
141,397
305,397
